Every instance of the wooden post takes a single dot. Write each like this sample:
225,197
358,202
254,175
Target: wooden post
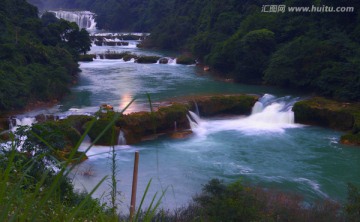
134,185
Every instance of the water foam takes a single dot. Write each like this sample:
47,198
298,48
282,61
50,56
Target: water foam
269,114
84,19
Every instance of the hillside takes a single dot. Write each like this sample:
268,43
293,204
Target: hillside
37,56
314,51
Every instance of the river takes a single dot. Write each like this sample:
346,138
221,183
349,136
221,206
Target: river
266,149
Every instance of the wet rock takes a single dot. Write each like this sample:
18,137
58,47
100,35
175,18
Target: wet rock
185,60
147,59
225,104
163,61
181,134
332,114
323,112
44,117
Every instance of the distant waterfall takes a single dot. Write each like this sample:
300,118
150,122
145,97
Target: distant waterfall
84,19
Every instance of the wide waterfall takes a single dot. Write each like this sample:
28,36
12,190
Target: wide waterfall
84,19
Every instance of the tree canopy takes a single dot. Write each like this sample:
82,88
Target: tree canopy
317,51
37,56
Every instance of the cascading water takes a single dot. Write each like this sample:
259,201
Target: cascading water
269,114
26,121
121,138
84,19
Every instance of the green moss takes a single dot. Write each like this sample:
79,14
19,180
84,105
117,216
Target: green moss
167,116
327,113
77,121
109,137
350,139
148,59
86,58
58,135
185,60
330,113
234,104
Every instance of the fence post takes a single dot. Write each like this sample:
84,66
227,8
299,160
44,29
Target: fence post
134,185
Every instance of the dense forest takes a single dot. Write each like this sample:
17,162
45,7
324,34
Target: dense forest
310,51
316,52
120,15
37,56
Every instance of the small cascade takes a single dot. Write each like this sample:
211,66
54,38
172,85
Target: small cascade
257,108
84,19
121,138
269,114
194,120
16,122
175,126
196,109
172,61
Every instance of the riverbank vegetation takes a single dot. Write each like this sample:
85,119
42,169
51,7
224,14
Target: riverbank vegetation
38,57
314,52
31,189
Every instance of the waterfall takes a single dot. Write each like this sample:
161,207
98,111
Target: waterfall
16,122
84,19
269,114
172,61
257,108
196,108
121,138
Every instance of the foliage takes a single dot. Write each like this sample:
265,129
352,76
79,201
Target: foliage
37,56
30,189
236,202
353,205
316,52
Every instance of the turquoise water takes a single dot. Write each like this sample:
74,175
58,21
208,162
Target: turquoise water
266,149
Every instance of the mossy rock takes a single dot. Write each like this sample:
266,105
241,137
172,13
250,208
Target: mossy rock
114,56
163,61
333,114
128,57
108,138
123,43
129,37
147,59
139,125
351,139
185,60
86,58
77,122
225,104
168,115
325,113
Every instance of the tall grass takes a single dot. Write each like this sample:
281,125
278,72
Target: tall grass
35,186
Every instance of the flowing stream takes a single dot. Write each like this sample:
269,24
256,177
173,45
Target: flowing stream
266,148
